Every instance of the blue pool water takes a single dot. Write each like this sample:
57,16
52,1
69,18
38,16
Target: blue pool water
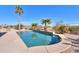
2,33
31,39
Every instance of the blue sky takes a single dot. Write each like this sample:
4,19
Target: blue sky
34,13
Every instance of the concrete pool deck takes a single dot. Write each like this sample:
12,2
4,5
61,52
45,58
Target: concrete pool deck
12,43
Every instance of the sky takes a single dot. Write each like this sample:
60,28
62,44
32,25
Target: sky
34,13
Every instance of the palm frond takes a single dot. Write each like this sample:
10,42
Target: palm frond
19,10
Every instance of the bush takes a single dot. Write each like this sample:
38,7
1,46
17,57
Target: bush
61,29
16,26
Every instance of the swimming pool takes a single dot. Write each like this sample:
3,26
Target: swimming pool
2,33
31,39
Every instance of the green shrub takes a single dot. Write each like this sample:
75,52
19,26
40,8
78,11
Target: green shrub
61,29
16,26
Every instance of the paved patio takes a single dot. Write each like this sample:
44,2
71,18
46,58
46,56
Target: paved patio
10,42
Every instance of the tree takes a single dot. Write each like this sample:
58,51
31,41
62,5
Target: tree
34,26
61,27
19,11
45,22
61,22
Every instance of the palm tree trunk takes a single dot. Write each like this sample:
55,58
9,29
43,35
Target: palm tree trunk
45,27
19,23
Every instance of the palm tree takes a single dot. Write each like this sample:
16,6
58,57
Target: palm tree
45,22
19,11
34,26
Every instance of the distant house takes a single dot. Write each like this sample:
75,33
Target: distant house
49,29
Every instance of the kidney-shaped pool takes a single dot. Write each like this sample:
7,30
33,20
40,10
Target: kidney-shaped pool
31,38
